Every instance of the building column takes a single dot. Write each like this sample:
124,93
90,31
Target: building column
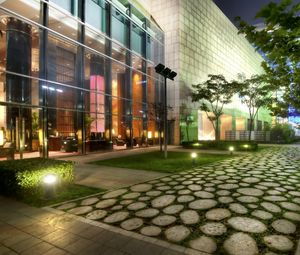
18,89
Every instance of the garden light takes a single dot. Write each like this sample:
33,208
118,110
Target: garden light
246,146
231,149
194,156
50,179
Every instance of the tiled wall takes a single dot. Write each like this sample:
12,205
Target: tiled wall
201,40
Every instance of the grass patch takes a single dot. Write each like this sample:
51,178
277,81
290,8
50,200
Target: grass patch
70,192
155,161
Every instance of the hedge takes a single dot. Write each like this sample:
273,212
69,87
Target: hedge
24,177
221,145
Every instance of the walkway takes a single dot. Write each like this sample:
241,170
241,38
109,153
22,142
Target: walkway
245,205
33,231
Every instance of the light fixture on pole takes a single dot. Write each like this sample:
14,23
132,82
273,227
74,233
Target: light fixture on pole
167,73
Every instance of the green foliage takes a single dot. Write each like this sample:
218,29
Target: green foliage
279,41
282,133
221,145
254,94
214,93
24,177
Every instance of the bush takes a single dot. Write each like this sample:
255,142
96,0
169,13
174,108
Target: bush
24,177
282,133
221,145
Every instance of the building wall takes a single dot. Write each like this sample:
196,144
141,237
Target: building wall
201,40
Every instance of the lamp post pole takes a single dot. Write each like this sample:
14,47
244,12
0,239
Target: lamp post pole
165,121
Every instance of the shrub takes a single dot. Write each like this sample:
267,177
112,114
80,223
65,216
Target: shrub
282,133
221,145
24,177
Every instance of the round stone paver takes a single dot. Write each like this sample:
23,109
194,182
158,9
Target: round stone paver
173,209
89,201
204,194
228,186
284,226
251,180
189,217
117,207
203,204
116,217
247,224
247,199
131,195
262,214
213,229
275,198
80,210
241,244
164,220
185,198
126,202
66,206
96,215
177,233
278,242
184,192
292,216
147,213
106,203
238,208
150,231
225,200
153,193
114,193
251,192
141,187
204,244
194,187
136,206
132,224
163,201
290,206
271,207
295,193
217,214
222,193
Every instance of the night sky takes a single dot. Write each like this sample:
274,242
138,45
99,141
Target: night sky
246,9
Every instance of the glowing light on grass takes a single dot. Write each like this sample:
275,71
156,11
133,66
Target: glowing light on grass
50,179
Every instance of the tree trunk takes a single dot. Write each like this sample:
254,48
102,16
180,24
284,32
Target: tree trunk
187,132
250,129
217,130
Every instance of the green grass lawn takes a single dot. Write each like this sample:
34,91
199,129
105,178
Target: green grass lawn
155,161
68,193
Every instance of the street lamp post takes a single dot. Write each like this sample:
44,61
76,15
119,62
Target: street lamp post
167,73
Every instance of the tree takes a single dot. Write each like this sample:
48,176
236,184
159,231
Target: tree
214,94
279,41
254,94
186,117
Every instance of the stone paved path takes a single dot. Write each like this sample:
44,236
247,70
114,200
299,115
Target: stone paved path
245,205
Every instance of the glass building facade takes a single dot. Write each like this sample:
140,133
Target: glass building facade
77,76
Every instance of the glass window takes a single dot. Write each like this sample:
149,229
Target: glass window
138,39
63,23
29,8
94,40
96,14
95,80
120,27
119,53
68,5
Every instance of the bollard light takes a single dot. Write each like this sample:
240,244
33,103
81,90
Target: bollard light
194,156
231,149
49,181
